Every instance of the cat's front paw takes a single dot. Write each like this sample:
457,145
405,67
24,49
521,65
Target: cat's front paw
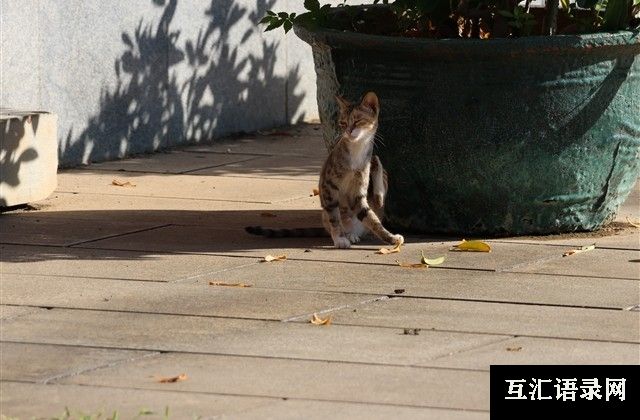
354,238
341,242
397,239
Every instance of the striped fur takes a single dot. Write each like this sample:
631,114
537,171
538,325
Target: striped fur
352,177
353,183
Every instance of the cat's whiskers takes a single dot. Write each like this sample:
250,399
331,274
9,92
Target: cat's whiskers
378,139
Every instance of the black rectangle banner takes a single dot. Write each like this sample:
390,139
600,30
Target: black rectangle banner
595,391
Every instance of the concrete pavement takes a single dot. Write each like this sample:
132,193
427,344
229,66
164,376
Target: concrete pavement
106,288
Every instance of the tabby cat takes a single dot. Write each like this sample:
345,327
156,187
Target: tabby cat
352,181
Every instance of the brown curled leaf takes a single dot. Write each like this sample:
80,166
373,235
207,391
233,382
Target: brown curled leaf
385,251
173,379
119,183
314,192
270,258
316,320
633,223
411,265
221,283
267,214
514,348
579,250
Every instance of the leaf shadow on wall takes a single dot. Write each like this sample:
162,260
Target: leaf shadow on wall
171,91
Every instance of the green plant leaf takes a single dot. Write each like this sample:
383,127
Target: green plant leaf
273,25
287,26
312,5
505,13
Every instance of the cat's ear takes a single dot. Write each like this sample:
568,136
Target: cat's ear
342,103
371,102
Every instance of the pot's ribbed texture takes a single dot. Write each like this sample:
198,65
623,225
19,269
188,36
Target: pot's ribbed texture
497,137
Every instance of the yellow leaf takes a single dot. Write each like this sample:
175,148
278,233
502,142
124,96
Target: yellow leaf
172,379
270,258
385,251
119,183
633,223
579,250
411,265
473,246
221,283
432,261
316,320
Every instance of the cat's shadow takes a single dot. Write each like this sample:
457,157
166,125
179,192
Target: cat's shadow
30,236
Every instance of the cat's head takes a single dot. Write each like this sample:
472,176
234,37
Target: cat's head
359,121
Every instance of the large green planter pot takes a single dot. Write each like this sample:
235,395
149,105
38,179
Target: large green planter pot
500,137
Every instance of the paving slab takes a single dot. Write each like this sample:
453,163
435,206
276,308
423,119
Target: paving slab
621,264
45,363
10,312
174,162
527,351
205,240
184,186
624,236
314,380
301,141
498,318
29,400
504,256
442,283
215,214
34,230
197,239
163,298
288,340
270,167
303,409
111,264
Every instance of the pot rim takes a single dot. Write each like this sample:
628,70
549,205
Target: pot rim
628,39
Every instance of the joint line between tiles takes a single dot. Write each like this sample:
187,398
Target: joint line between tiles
114,363
337,308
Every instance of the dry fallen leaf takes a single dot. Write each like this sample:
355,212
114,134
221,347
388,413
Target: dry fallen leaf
633,223
172,379
314,192
267,214
119,183
221,283
432,261
473,246
270,258
385,251
411,265
579,250
514,348
316,320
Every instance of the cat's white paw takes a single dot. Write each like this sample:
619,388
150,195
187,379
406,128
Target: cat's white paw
341,242
353,237
397,239
378,201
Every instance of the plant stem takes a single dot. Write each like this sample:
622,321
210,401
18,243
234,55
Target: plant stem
551,19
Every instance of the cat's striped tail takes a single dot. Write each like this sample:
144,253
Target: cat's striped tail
313,232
